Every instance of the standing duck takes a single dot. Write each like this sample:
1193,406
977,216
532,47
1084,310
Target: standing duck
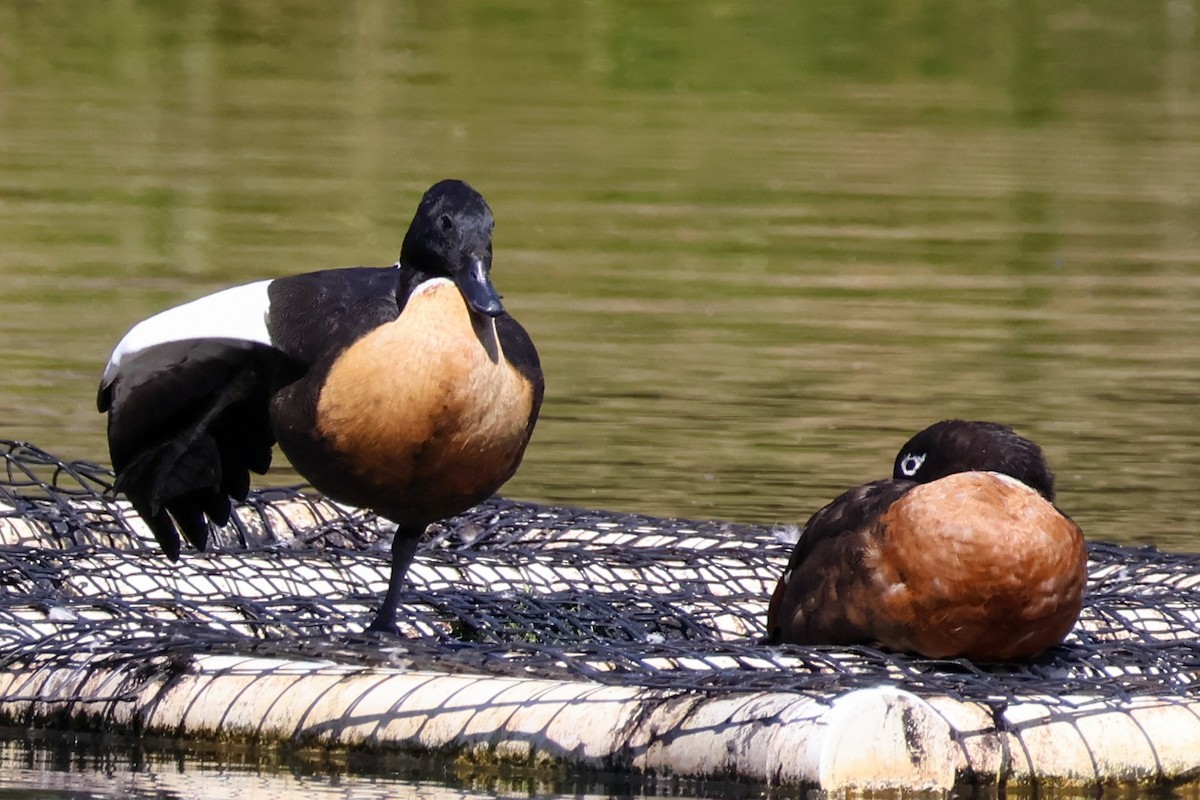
960,553
406,389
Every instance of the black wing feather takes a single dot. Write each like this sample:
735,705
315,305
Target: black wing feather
520,352
187,423
849,511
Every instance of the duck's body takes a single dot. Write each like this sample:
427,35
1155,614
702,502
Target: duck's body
405,389
948,558
422,437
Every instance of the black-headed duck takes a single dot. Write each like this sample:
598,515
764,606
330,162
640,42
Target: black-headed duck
406,389
962,553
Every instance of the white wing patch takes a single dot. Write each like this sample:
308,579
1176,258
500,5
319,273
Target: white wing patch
236,313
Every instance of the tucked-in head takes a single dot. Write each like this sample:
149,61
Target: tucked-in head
451,237
956,445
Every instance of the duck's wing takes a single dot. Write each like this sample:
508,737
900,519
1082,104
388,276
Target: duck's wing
188,391
187,394
316,315
520,352
828,561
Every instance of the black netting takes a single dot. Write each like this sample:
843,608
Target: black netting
514,589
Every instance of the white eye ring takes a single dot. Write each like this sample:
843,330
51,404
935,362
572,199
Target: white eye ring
911,463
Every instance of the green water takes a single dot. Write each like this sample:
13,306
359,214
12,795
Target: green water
87,767
758,245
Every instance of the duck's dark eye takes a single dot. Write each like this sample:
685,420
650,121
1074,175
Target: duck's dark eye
911,463
445,222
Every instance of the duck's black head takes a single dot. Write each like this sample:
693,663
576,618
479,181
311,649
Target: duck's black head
451,237
955,445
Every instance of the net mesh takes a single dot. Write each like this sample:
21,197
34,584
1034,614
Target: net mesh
509,589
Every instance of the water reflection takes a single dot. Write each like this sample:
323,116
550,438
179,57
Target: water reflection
758,245
89,766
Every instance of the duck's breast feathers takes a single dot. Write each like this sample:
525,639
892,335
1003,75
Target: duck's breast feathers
429,413
238,314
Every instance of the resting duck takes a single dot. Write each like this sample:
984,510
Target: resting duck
960,553
405,389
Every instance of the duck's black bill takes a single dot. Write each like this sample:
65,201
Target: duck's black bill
475,283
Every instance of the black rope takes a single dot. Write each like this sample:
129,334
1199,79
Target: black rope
622,599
